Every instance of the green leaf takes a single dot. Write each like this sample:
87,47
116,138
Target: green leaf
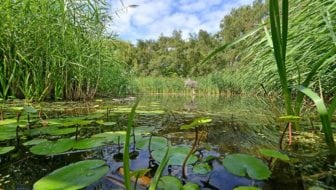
169,183
197,122
162,166
315,188
190,186
30,109
112,136
89,143
4,150
53,147
324,116
177,155
157,143
140,173
74,176
63,131
35,142
202,168
243,164
274,154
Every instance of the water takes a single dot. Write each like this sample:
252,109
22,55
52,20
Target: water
239,125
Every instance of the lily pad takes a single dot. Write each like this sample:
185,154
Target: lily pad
274,154
177,155
112,136
4,150
7,132
169,183
53,147
30,109
73,176
242,164
62,131
190,186
35,142
157,143
89,143
202,168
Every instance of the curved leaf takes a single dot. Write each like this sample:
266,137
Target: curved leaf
4,150
74,176
242,164
53,147
274,154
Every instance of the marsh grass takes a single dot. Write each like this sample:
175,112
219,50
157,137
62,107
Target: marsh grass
53,49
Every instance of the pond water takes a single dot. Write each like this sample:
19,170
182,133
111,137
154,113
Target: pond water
239,125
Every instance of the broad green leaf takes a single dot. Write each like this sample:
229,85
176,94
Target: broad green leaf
169,183
74,176
30,109
112,136
177,155
34,142
89,143
53,147
202,168
140,173
7,132
62,131
274,154
4,150
157,143
243,164
315,188
190,186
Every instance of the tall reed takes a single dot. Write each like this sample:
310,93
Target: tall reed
53,48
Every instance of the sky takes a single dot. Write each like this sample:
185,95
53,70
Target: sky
155,17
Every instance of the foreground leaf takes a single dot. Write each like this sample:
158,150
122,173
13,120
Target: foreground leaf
4,150
53,147
243,164
274,154
73,176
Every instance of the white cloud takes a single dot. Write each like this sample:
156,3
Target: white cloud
154,17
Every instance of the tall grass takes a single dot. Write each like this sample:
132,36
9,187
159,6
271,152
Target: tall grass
213,84
53,48
310,55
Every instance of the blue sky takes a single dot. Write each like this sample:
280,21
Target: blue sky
154,17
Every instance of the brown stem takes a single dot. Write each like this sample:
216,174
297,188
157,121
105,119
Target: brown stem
193,148
282,136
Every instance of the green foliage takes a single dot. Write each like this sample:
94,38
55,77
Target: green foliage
74,176
243,164
4,150
196,123
274,154
169,183
202,168
53,147
246,188
126,157
324,116
56,49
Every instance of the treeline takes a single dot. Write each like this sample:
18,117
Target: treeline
248,66
57,49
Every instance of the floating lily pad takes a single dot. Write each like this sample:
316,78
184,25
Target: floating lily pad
7,132
112,136
177,155
274,154
35,142
89,143
242,164
190,186
53,147
157,143
143,130
169,183
73,176
63,131
4,150
8,121
202,168
30,109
